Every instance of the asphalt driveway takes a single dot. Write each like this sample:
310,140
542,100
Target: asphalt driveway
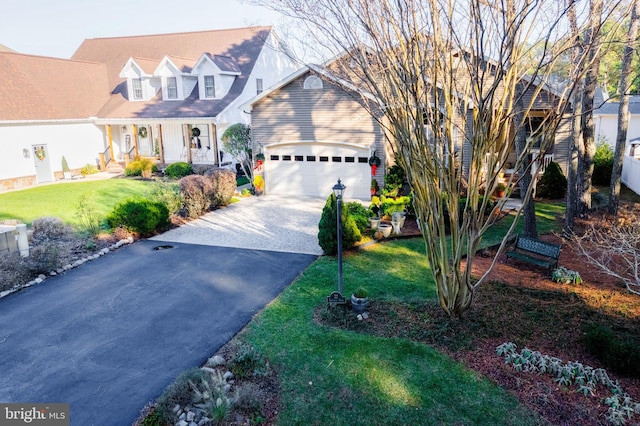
109,336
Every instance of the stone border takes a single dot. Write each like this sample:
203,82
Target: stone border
40,278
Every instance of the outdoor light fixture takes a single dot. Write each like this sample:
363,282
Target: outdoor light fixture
338,191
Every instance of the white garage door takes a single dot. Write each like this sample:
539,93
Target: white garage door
312,170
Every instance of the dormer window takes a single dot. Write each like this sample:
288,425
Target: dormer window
137,88
209,86
172,88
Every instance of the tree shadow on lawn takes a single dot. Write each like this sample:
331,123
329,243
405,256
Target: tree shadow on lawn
521,306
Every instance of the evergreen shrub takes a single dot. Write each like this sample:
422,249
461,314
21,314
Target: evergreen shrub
602,164
360,215
619,353
553,183
144,217
328,231
178,170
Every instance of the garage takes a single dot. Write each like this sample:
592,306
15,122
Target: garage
311,169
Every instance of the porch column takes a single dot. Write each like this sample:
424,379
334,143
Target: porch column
135,139
110,138
214,139
160,143
186,133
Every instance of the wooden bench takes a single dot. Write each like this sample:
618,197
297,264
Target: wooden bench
536,252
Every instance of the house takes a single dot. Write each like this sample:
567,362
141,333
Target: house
313,129
165,96
606,122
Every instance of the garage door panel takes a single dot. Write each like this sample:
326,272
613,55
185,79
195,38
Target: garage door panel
318,170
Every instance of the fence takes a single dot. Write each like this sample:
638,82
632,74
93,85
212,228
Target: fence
631,173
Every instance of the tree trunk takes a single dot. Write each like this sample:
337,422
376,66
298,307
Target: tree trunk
623,110
524,171
576,134
587,150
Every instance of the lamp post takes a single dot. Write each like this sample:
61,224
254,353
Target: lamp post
338,191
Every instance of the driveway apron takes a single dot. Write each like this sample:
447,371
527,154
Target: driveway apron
109,336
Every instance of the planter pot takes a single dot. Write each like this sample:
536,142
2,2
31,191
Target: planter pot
385,228
374,222
359,304
67,175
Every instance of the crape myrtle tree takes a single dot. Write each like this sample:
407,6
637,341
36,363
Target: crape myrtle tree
237,142
451,82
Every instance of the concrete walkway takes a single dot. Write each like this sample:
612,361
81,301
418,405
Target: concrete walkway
274,223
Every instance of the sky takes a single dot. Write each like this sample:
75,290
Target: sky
58,27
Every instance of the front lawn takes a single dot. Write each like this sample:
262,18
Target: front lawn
60,200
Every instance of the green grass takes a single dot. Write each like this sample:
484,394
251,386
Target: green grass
334,376
60,200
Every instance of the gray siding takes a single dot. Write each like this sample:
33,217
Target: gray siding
331,114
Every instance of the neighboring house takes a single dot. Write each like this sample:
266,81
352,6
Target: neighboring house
313,129
313,132
606,122
167,96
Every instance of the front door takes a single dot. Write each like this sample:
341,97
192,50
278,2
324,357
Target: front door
42,163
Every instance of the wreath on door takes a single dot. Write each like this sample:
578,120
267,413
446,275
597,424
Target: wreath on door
40,153
142,132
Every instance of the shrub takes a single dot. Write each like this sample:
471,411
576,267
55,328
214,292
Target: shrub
222,186
195,190
178,170
142,216
49,227
393,181
13,271
360,215
618,353
89,219
389,206
88,169
180,392
248,362
141,167
168,194
327,228
602,164
47,256
553,183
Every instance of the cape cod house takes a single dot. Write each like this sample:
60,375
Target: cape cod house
167,96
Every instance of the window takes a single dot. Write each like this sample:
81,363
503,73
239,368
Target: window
172,88
363,160
312,83
286,158
299,158
209,87
311,158
336,159
538,135
349,159
258,86
324,159
275,157
137,88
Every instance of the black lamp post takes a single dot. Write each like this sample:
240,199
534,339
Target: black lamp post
338,191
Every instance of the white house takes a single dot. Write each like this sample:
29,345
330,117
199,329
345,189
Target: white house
168,96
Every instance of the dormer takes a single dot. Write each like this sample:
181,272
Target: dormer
176,79
216,75
141,83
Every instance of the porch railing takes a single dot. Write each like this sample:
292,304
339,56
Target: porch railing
105,159
129,156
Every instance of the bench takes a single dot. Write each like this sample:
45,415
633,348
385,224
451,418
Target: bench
536,252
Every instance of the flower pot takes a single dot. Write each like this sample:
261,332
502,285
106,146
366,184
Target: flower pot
385,228
359,304
374,222
399,217
67,175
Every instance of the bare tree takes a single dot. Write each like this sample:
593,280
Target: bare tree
440,76
623,111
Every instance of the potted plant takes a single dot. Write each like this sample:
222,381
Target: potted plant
359,300
258,184
65,169
500,190
375,188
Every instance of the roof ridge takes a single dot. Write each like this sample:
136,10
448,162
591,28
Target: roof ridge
55,58
256,27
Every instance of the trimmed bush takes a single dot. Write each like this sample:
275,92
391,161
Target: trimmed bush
328,232
195,191
144,217
49,227
553,183
168,194
223,185
178,170
619,353
602,164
